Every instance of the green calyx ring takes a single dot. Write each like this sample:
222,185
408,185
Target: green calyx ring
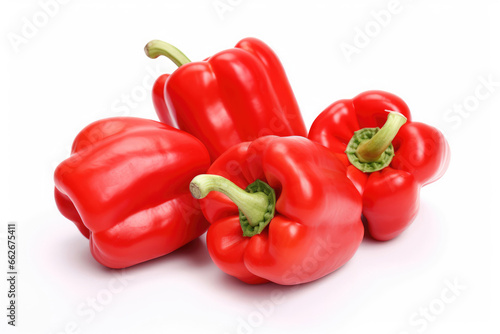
370,149
260,187
360,137
256,204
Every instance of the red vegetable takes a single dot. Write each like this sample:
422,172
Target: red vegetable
126,187
298,220
389,176
235,96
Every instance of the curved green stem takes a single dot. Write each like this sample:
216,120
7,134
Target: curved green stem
372,149
256,203
157,48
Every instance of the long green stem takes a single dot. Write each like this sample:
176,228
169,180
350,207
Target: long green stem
372,149
256,203
157,48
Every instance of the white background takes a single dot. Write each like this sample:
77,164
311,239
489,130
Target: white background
82,62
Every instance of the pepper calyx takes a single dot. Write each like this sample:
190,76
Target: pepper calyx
256,204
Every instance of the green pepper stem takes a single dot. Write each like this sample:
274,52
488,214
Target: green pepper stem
157,48
372,149
253,205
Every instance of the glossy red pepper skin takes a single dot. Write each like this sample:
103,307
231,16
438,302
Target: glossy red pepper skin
237,95
316,227
390,196
126,188
158,97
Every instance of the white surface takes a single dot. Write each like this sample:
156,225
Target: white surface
80,65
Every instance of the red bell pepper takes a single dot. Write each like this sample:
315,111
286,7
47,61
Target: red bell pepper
298,220
235,96
388,166
126,187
